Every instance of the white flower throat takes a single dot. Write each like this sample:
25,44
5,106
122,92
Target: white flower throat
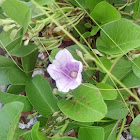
73,74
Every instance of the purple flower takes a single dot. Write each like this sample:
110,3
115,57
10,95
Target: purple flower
66,71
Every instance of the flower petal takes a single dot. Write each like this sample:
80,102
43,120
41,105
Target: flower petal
64,85
63,57
55,72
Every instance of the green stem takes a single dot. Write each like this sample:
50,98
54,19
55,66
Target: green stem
114,64
133,103
62,129
106,121
121,129
134,91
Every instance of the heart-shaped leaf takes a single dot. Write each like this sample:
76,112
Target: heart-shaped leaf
123,32
87,104
104,13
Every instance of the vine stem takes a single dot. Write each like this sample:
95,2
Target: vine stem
114,64
82,47
62,129
121,129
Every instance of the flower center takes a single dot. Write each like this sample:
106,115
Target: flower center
73,74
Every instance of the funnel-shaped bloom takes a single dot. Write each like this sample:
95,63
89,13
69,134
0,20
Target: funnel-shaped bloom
66,71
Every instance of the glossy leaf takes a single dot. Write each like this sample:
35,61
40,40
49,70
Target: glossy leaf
44,2
64,138
91,133
78,3
105,13
7,98
16,89
120,70
127,81
119,31
40,95
28,62
116,110
14,74
92,3
35,134
107,94
9,118
22,51
5,65
110,131
106,62
87,104
136,67
4,76
136,10
135,127
5,62
22,17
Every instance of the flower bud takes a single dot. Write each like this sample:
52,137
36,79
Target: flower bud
8,27
26,42
59,119
13,34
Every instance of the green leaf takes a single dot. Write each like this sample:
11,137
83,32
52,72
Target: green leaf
5,38
75,124
107,94
94,30
5,62
87,104
42,120
8,42
92,3
44,2
22,51
135,127
5,65
136,10
9,118
14,74
105,13
110,131
131,80
13,44
136,67
18,11
91,133
28,62
79,3
64,138
41,96
106,62
16,89
4,80
35,134
7,98
88,76
117,110
120,70
24,134
119,31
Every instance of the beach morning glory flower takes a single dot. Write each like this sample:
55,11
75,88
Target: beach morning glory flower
66,71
